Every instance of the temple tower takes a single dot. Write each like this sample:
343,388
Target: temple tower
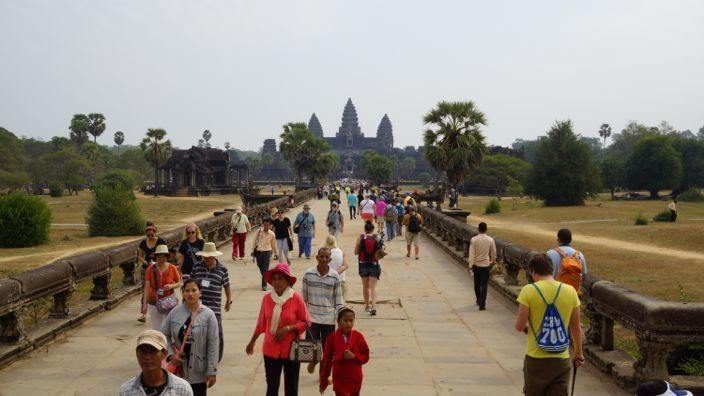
384,133
315,127
350,129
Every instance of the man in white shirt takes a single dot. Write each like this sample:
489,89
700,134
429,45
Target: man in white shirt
482,253
673,210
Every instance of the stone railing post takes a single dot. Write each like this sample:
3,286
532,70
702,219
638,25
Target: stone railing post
607,333
59,308
12,328
594,331
101,287
652,364
128,269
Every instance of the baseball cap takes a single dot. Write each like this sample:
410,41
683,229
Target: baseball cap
153,338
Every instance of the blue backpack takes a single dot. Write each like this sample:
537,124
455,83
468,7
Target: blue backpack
552,337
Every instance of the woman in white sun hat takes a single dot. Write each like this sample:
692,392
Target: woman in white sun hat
160,281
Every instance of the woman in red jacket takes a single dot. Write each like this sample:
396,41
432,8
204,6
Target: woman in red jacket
345,352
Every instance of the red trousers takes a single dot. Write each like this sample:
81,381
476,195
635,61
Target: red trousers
238,240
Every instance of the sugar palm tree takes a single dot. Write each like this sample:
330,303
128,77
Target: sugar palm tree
156,151
96,125
605,132
456,146
294,146
79,129
119,138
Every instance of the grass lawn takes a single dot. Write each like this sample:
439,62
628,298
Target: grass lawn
69,235
660,275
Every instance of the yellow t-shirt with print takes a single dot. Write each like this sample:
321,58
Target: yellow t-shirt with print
565,304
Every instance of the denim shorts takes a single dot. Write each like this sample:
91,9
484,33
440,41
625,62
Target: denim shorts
370,269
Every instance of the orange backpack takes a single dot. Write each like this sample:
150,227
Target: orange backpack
570,270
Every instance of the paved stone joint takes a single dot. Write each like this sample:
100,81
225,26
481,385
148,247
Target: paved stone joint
427,339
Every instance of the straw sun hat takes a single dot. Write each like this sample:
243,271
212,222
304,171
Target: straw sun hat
209,250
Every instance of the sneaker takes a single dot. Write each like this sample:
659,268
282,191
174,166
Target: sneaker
264,288
372,312
417,258
407,255
141,318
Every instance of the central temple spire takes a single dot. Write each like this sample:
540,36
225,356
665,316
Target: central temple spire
314,126
350,124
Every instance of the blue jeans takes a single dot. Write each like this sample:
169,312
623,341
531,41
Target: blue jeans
390,229
304,245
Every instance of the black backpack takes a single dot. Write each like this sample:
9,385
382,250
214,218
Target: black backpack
413,223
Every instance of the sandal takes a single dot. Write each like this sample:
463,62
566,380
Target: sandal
372,312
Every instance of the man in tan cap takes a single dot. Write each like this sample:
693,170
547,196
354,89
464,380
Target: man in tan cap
153,380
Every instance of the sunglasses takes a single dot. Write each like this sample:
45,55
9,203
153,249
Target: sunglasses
190,232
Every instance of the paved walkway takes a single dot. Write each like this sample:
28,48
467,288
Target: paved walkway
427,339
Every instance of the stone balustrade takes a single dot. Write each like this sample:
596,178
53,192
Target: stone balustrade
660,326
58,279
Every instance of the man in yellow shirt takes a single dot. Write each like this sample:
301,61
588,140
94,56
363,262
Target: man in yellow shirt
547,373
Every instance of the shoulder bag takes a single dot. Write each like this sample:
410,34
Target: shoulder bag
306,351
164,305
178,369
297,228
255,251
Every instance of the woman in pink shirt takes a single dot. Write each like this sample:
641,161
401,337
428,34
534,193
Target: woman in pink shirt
283,317
380,209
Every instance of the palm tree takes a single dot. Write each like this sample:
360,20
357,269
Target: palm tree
96,127
206,138
156,151
457,145
227,145
119,138
294,146
409,166
79,129
605,132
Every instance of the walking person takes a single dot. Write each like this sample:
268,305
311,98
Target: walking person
673,210
190,245
547,364
569,265
160,280
390,220
304,226
367,250
213,278
360,198
284,234
263,248
482,254
322,291
335,221
283,317
145,256
380,211
413,222
352,203
153,379
191,331
338,262
345,352
368,209
240,227
400,212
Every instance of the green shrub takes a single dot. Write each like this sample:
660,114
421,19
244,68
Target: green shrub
641,220
114,212
694,194
662,216
117,177
687,360
494,206
24,221
56,190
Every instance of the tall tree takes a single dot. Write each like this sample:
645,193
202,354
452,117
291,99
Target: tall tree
409,166
605,132
564,172
613,173
206,138
157,151
119,138
496,170
654,165
622,143
692,151
457,145
296,143
79,129
96,125
377,168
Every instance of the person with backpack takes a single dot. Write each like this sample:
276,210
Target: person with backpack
335,221
367,250
569,265
380,214
399,217
548,312
413,222
367,207
390,219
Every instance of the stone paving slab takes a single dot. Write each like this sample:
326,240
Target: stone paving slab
428,338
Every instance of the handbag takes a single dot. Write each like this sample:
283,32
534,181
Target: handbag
255,251
164,305
290,243
306,351
297,228
178,369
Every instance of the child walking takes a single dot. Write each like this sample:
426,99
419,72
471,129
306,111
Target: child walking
345,352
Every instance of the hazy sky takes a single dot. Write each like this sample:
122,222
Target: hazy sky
243,68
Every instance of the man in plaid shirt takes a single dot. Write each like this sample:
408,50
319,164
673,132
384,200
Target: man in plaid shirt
322,291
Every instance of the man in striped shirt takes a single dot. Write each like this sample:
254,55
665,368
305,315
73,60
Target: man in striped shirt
322,291
213,278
